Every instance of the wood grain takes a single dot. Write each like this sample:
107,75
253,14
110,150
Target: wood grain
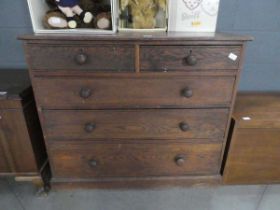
136,36
136,124
149,92
72,160
19,142
172,58
135,106
253,157
262,108
98,58
136,182
22,149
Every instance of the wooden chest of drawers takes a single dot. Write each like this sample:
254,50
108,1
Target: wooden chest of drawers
135,109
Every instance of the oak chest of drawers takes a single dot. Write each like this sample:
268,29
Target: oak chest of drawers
135,109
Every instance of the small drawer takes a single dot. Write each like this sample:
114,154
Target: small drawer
90,160
94,58
134,92
187,58
135,124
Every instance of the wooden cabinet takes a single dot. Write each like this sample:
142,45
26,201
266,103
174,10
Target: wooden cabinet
254,149
22,149
129,111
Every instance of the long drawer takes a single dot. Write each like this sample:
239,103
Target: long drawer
134,92
187,58
91,58
90,160
135,124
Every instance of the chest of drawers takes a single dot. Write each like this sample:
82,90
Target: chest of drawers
135,109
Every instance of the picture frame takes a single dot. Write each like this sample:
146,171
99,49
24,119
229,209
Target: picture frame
164,21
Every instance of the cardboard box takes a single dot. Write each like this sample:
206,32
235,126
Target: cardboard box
193,15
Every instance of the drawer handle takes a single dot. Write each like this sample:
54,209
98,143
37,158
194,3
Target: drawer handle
90,127
187,92
81,58
85,93
92,163
184,126
191,59
180,160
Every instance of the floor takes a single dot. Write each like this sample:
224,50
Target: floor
22,196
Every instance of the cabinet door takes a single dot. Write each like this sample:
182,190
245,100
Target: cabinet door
16,151
253,157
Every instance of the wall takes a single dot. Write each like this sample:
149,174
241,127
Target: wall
260,18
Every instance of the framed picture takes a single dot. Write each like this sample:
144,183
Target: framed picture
143,16
193,15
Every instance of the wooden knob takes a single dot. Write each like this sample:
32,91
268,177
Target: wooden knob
81,58
187,92
92,163
90,127
85,93
191,60
184,126
180,160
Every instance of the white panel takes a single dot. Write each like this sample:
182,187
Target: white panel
38,9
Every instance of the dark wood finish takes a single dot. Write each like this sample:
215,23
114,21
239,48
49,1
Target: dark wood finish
67,57
262,108
140,108
149,91
143,37
135,124
16,135
87,160
188,58
137,182
22,149
253,156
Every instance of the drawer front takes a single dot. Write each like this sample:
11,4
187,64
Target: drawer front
70,93
89,160
136,124
184,58
96,58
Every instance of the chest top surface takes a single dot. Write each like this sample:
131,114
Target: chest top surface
258,109
132,36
